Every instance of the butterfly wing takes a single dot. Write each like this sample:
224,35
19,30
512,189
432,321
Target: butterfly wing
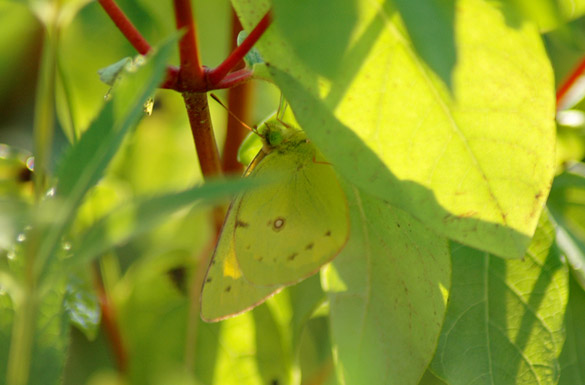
226,292
286,231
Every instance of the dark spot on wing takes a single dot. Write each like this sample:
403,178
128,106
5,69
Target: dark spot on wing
213,261
274,382
278,224
227,289
309,246
242,224
328,233
208,280
292,256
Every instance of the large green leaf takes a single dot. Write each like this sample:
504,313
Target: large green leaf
474,164
572,359
504,324
387,291
323,39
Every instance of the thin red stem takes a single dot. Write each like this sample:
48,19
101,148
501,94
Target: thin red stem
191,74
217,74
110,324
202,130
125,26
239,103
570,81
234,79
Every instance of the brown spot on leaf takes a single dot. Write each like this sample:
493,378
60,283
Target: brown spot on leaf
309,246
227,289
292,256
328,233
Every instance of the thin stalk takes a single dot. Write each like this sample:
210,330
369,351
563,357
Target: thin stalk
23,331
234,79
191,74
240,104
109,322
125,26
63,82
202,130
217,74
44,118
570,81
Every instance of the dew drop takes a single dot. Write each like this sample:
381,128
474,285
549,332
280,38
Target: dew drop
30,163
50,192
67,246
21,237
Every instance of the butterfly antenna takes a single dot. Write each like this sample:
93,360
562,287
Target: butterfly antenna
214,97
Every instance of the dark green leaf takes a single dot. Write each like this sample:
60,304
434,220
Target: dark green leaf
504,324
431,26
318,31
572,359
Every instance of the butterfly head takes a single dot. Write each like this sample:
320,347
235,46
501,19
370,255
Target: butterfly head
275,133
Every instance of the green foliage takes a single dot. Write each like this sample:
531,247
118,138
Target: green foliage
465,261
503,323
387,291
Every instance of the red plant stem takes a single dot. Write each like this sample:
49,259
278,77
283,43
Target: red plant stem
217,74
171,81
239,103
125,26
234,78
109,323
191,74
200,121
570,81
